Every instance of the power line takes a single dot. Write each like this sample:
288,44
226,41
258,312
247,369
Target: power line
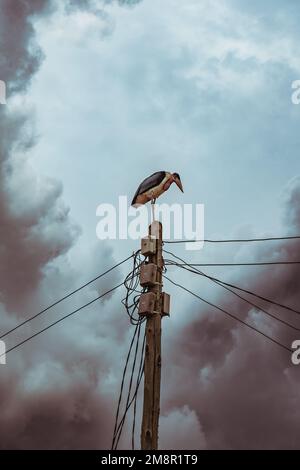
131,380
224,284
240,240
130,303
242,298
241,264
229,314
118,428
66,297
139,379
265,299
63,318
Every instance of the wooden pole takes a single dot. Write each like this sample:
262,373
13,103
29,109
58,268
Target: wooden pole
152,365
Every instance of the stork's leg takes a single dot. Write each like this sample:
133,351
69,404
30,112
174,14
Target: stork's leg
153,209
153,200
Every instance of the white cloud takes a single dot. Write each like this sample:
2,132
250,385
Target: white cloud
180,429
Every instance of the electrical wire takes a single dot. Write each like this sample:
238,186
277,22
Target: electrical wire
133,400
131,283
65,297
241,240
130,381
139,378
284,322
242,264
229,314
265,299
119,424
62,318
122,385
130,303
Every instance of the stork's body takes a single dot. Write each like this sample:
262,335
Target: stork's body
154,186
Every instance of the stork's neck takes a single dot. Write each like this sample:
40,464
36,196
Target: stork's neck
168,183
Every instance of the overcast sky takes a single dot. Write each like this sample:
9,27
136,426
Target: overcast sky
100,95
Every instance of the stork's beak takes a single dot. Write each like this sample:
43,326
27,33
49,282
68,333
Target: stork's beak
179,184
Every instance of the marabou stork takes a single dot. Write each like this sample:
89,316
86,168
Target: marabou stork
154,186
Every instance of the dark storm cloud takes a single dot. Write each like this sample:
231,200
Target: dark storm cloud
54,415
243,387
20,55
95,4
35,225
54,392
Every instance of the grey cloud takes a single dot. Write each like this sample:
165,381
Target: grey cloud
292,203
55,413
35,224
21,56
187,435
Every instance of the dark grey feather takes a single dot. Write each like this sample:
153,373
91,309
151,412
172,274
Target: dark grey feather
149,183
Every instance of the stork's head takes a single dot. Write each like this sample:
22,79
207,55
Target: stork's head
177,180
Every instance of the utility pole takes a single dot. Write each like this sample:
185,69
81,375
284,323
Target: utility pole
154,304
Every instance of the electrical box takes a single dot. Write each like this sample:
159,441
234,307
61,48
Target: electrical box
148,246
165,304
147,303
148,275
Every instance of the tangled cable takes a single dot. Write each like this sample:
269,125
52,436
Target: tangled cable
134,365
131,283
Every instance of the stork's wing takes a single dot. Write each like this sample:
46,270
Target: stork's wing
149,183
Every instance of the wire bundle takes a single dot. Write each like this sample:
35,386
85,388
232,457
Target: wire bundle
131,302
136,374
133,293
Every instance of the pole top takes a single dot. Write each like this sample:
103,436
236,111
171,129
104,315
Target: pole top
155,229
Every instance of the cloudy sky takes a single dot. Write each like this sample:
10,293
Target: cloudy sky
101,94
